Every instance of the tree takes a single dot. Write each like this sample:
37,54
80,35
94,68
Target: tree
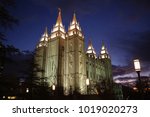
6,22
8,81
38,89
6,19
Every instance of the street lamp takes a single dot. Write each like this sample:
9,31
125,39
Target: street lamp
137,65
87,84
137,68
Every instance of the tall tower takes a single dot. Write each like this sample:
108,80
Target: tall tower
75,77
55,54
40,56
104,56
91,59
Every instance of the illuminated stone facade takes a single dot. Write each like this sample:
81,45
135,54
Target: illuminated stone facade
65,63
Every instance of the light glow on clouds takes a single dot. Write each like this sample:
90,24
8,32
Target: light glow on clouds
132,75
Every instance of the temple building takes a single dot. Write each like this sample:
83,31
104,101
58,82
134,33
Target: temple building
66,64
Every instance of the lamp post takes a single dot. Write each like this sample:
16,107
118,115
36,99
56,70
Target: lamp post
137,68
87,84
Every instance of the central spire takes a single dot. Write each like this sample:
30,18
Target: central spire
46,33
74,20
58,29
59,19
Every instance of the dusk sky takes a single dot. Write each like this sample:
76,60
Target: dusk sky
123,25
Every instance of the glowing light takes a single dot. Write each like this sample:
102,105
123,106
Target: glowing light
27,90
53,35
40,45
89,51
4,97
80,34
103,52
62,29
55,29
103,56
78,27
87,81
103,48
42,39
72,27
70,33
53,87
73,22
45,35
137,66
134,88
61,25
11,97
90,48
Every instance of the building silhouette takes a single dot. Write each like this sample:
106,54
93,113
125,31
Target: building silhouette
66,65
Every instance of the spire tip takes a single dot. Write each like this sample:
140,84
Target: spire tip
59,10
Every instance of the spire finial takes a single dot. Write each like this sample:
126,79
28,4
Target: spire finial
103,45
46,30
103,42
59,20
59,9
90,42
74,17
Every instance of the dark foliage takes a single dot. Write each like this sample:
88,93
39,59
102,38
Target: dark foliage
6,19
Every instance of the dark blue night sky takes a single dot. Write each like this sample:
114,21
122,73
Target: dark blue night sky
124,25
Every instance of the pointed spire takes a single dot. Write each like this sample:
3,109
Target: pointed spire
90,43
44,39
58,29
45,35
90,51
59,19
46,32
74,20
103,45
74,27
104,52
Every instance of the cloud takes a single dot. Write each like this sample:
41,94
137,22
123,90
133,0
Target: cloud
121,70
128,71
137,45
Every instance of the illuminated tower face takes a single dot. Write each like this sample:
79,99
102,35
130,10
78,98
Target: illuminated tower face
74,79
55,54
40,56
58,29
